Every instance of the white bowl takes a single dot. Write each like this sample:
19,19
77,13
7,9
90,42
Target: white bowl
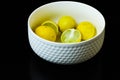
66,53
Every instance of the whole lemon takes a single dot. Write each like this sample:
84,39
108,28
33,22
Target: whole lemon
46,32
87,29
66,22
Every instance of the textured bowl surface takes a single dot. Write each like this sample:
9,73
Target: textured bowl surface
65,53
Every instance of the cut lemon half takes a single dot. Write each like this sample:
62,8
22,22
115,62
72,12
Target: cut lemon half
71,36
87,30
51,24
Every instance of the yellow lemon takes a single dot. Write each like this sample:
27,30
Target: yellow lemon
46,32
87,30
51,24
71,36
66,22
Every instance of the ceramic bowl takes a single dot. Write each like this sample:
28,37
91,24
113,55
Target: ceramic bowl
66,53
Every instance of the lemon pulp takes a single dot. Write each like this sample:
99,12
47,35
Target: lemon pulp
70,36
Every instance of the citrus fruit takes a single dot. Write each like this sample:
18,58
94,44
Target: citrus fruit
66,22
51,24
87,30
71,36
46,32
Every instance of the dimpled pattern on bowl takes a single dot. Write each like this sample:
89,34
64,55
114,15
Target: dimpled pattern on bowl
65,54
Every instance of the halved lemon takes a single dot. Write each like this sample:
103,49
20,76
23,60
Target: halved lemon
71,36
87,29
51,24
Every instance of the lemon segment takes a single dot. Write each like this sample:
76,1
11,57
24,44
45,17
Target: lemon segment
71,36
46,32
66,22
87,30
51,24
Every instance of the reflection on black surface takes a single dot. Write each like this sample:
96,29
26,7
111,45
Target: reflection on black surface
43,70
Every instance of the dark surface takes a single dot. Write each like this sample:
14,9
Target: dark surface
19,62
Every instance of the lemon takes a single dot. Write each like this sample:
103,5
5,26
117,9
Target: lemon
87,30
66,22
46,32
51,24
71,36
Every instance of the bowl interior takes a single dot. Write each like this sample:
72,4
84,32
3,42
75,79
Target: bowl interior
79,11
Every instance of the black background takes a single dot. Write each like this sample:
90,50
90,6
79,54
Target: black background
18,61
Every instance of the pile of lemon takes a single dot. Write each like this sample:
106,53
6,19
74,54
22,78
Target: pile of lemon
66,30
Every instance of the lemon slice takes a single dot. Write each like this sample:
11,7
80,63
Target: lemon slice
46,32
71,36
51,24
87,30
66,22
